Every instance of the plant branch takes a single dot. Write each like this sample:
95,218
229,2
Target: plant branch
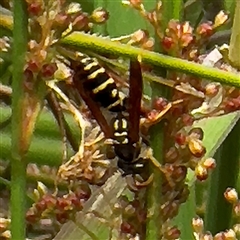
80,40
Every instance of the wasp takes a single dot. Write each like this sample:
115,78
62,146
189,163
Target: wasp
98,89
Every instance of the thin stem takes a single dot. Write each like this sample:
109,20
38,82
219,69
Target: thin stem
18,164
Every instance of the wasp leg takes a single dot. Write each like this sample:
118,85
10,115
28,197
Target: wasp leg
145,183
159,166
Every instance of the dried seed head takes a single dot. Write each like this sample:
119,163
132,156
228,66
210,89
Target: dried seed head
231,195
172,155
4,224
180,138
180,33
81,22
207,236
196,132
48,70
205,30
4,44
140,36
126,227
236,229
197,224
219,236
187,119
167,43
196,147
201,172
229,235
148,45
211,89
99,15
187,34
172,233
159,103
137,4
154,17
62,217
6,234
35,8
33,65
232,104
209,163
220,19
61,21
236,209
28,80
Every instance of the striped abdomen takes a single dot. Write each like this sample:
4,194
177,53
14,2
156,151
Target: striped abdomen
101,86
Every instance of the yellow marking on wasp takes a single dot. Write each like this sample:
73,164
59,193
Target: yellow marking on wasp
124,123
86,59
115,124
90,65
103,85
114,93
94,74
117,134
118,102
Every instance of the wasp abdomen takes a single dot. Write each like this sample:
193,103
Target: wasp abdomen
101,86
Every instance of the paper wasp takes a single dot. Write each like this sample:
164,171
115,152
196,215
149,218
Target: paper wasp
98,89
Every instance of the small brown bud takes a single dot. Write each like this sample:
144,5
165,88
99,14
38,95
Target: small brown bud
236,209
48,70
35,8
196,132
205,29
236,229
201,172
196,147
230,235
231,195
211,89
207,236
172,233
197,224
81,22
220,19
99,15
209,163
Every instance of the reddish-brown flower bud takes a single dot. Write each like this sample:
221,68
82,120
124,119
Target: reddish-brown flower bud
48,70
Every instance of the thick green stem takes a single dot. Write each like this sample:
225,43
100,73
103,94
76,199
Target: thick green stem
79,40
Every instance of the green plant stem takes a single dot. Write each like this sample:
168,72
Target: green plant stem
18,163
79,40
18,199
218,211
154,191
